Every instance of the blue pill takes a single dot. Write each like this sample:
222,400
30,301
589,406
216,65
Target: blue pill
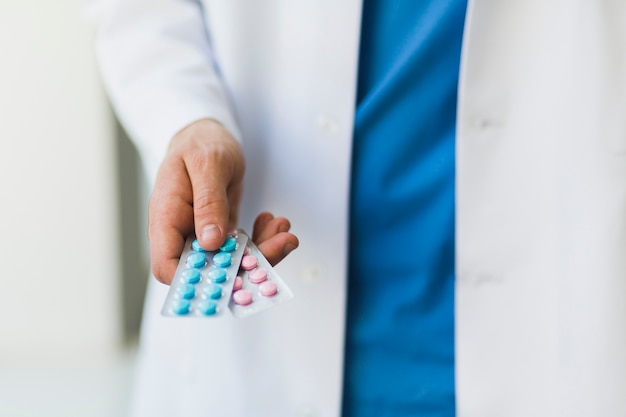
229,245
186,291
213,291
207,307
222,259
217,275
181,306
196,259
195,245
191,276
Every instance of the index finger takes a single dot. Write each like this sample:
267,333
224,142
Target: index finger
170,218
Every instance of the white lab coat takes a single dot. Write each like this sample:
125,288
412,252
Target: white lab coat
541,198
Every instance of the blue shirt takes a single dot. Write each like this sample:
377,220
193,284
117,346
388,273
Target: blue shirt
399,356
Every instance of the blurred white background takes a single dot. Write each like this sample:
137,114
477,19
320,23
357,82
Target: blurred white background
71,247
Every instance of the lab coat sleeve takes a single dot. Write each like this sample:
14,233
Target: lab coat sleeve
157,67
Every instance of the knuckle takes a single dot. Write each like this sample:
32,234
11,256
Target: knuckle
209,201
210,156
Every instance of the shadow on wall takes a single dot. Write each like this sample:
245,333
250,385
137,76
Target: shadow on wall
134,243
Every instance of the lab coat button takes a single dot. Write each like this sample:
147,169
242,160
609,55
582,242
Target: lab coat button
481,123
312,274
306,410
327,124
480,279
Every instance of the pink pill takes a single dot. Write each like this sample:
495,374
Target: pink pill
257,276
242,297
248,262
268,289
238,284
246,250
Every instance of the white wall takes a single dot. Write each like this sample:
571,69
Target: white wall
59,276
61,350
62,330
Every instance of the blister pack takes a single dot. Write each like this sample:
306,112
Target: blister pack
236,276
257,286
203,282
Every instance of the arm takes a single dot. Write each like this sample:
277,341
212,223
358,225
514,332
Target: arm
158,69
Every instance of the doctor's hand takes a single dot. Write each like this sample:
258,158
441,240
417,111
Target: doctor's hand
198,188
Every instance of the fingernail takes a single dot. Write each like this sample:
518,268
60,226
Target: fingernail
210,232
289,247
